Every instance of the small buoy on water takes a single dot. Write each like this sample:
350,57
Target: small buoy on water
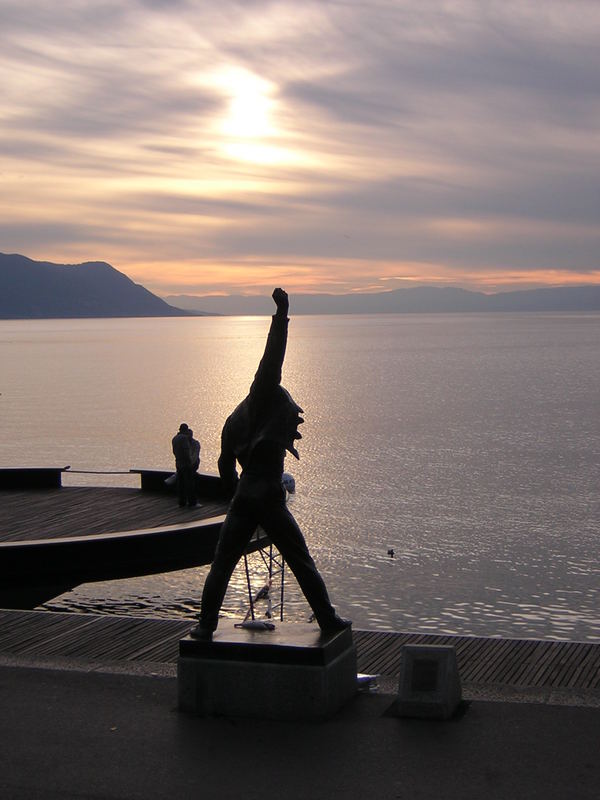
391,552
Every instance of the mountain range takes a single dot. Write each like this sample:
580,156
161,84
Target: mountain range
39,289
420,299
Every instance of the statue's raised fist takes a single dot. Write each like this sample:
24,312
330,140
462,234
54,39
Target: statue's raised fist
281,300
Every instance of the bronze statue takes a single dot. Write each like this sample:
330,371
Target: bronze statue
257,435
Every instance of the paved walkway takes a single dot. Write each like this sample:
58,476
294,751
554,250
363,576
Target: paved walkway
70,734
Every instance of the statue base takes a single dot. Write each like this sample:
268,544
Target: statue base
291,673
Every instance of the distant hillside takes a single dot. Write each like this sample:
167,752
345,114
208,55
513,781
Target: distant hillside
41,290
420,299
38,289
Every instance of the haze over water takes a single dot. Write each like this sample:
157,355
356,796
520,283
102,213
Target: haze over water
467,443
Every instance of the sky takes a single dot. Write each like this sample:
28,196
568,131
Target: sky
228,147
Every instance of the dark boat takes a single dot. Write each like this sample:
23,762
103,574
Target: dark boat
54,537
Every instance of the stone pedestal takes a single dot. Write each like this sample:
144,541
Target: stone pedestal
291,673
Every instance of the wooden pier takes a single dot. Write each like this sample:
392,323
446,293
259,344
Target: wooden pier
53,538
27,514
520,664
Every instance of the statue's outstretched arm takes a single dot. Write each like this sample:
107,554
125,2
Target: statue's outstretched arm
268,374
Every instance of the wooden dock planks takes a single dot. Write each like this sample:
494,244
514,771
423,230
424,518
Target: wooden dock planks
518,663
81,511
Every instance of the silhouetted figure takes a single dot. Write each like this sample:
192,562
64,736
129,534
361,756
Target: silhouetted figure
257,435
186,476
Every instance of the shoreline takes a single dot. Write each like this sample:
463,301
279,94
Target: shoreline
526,670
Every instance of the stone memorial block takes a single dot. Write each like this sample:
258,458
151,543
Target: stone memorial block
429,684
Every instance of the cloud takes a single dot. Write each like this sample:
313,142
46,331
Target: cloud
340,143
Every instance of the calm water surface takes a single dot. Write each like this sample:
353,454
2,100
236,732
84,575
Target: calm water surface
468,444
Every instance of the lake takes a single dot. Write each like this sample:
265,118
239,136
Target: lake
468,444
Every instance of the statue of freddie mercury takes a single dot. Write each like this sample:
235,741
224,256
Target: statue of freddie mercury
257,435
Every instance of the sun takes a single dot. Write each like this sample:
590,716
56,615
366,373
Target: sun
250,106
246,129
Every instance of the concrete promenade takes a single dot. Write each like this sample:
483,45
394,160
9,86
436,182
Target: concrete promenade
83,731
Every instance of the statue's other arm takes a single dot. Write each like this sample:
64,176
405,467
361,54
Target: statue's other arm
268,374
227,461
